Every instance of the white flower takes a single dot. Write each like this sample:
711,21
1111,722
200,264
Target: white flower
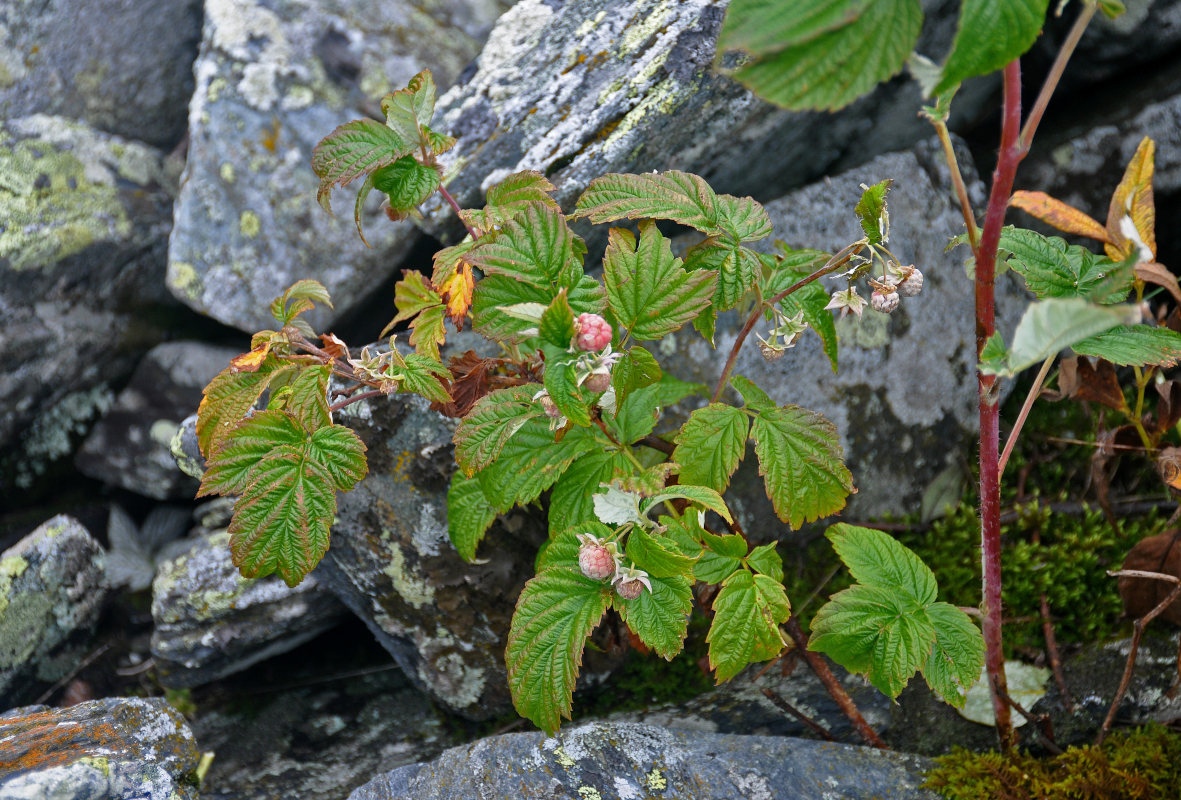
847,301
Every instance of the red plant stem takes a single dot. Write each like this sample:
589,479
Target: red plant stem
458,211
835,690
990,511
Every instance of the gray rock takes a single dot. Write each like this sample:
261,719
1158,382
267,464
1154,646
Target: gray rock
579,89
211,622
110,749
82,256
52,591
272,80
904,397
319,741
624,761
130,446
123,67
185,448
739,706
392,564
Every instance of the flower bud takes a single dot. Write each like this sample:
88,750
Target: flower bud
591,332
598,382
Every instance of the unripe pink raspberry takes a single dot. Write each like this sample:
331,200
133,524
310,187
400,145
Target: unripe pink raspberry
591,332
629,590
629,582
598,382
884,302
912,285
547,404
596,561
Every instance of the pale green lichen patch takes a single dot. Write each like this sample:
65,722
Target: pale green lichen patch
869,331
52,205
656,780
589,793
10,569
413,589
562,758
21,626
51,435
182,278
636,35
249,224
226,171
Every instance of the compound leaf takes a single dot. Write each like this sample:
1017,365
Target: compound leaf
229,396
531,461
1138,345
710,445
747,613
878,559
492,421
737,268
252,440
649,290
801,461
556,612
1052,268
341,453
660,617
657,556
469,515
536,248
354,149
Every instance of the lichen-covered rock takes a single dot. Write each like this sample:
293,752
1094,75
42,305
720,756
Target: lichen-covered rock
904,396
391,562
321,740
110,749
626,761
126,68
580,89
82,254
52,591
272,80
212,622
130,446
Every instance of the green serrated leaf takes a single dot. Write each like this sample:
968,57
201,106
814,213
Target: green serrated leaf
229,396
341,453
354,149
1138,345
684,533
754,397
882,634
637,415
994,357
713,568
438,143
307,399
991,33
556,612
469,515
871,212
566,394
730,545
660,617
427,332
422,90
816,54
766,561
649,290
957,655
420,374
536,248
406,183
571,501
252,440
531,461
747,613
710,445
561,550
1053,269
299,297
1048,326
557,323
877,559
737,268
522,188
678,196
802,463
359,206
657,556
492,421
635,370
281,521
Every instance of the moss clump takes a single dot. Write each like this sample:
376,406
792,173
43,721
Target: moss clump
1143,764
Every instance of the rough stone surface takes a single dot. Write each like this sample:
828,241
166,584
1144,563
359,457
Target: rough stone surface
739,706
126,68
108,749
625,761
130,446
82,256
392,564
904,396
580,89
272,80
211,622
51,593
319,741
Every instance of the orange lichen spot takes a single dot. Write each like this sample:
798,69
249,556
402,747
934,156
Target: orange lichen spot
270,139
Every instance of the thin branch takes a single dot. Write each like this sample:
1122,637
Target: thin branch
957,180
1034,392
812,724
836,262
1038,720
1055,658
86,662
1055,74
338,405
458,211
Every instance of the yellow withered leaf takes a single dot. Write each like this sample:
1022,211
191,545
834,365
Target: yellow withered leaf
1054,212
1131,218
458,291
251,361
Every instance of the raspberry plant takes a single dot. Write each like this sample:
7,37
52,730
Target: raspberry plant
571,405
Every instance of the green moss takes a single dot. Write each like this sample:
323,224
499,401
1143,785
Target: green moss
10,569
1144,764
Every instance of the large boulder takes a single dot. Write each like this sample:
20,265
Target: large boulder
52,590
82,255
130,445
125,68
904,396
624,761
272,80
392,564
109,749
211,622
579,89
